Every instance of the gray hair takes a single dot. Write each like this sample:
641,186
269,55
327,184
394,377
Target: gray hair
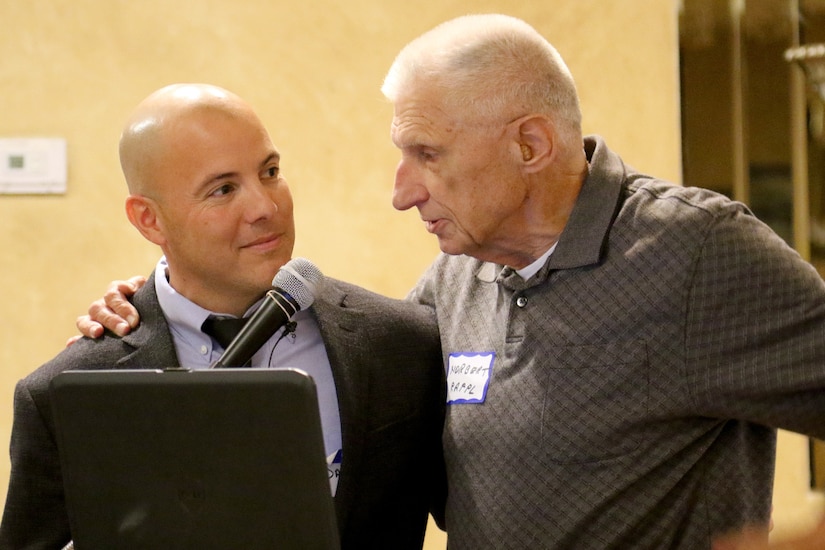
495,65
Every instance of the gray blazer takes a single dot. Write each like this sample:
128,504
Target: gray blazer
386,362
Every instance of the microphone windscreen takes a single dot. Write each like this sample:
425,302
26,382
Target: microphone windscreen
300,278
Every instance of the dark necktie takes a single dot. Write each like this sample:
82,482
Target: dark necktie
223,329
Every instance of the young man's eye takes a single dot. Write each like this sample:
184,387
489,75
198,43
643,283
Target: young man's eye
224,189
271,172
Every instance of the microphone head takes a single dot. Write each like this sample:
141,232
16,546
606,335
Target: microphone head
300,278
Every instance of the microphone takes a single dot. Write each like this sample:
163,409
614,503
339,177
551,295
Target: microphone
294,289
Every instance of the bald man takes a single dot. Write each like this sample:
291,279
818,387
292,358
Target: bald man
205,185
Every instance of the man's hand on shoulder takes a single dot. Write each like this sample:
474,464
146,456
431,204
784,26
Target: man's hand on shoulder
113,311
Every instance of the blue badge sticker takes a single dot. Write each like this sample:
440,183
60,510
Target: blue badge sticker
468,375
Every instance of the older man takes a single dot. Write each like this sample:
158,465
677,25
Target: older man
635,343
205,185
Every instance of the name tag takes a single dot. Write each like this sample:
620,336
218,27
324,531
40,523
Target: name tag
468,375
334,470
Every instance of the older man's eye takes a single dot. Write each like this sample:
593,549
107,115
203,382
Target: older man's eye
427,155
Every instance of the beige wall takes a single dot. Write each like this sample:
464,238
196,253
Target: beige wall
74,69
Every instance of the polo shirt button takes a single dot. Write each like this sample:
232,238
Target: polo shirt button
521,301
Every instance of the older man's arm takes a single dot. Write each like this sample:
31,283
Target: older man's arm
113,311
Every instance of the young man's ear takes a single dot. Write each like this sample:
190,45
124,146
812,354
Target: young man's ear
143,214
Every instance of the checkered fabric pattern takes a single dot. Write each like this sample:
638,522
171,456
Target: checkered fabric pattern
637,384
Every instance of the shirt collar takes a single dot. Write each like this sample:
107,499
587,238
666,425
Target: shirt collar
184,316
584,237
533,268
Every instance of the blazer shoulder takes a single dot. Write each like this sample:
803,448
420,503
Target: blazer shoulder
348,295
108,351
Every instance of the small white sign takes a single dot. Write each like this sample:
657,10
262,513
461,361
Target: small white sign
32,165
468,375
334,470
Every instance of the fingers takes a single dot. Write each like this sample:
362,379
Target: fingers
100,316
74,339
136,282
115,312
118,292
87,326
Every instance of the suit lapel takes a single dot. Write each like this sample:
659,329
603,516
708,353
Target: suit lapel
341,327
152,339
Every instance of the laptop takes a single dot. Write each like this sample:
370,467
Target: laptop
219,458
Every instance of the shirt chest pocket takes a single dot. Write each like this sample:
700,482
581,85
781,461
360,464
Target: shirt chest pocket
596,402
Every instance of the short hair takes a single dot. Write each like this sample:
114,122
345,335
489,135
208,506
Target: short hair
496,65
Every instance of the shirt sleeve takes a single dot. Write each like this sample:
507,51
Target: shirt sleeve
755,328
